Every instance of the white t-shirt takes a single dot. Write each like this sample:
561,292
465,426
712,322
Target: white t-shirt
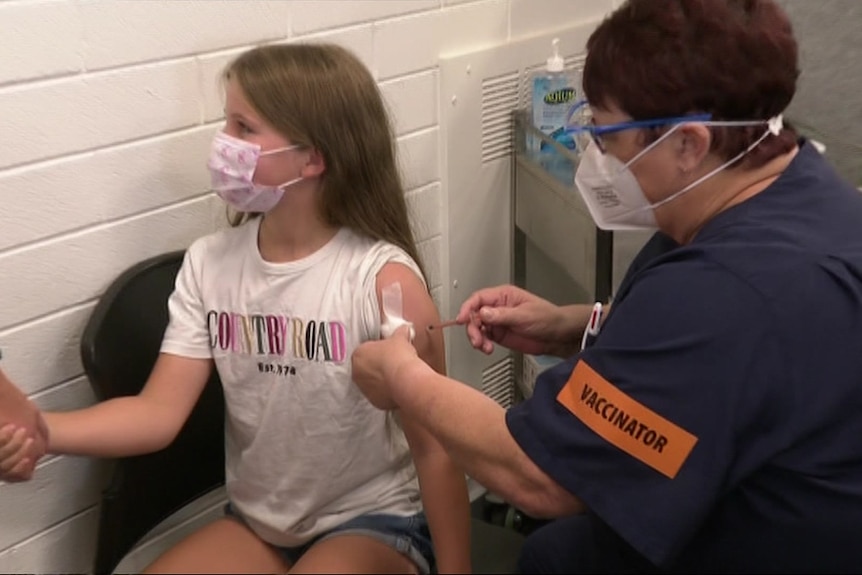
305,451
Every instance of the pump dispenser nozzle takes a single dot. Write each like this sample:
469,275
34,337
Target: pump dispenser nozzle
556,62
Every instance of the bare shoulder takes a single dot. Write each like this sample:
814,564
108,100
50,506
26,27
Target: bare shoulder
417,307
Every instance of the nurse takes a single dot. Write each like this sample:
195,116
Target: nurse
715,422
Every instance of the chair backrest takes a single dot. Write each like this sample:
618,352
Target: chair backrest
119,347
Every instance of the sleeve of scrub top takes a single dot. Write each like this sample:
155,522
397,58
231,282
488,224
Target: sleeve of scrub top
644,430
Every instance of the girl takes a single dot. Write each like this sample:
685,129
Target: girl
320,259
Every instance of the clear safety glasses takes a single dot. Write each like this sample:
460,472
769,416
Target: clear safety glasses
582,128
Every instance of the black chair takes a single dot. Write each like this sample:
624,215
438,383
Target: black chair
119,347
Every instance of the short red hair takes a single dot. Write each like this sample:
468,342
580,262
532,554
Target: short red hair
734,59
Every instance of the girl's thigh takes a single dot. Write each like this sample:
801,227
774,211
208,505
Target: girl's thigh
351,553
223,546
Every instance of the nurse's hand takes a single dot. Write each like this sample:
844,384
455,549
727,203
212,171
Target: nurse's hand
517,319
376,365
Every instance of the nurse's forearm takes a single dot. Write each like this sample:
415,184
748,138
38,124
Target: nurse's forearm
572,322
472,428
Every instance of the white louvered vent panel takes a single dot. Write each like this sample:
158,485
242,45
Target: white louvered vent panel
499,99
479,90
498,381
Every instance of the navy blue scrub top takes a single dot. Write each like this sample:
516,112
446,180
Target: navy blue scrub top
715,424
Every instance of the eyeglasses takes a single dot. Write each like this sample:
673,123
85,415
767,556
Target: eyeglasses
596,133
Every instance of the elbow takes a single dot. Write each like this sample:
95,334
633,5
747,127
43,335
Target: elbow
159,437
166,434
162,440
534,504
166,424
153,442
547,500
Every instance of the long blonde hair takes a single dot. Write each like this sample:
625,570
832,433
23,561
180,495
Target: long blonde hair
323,97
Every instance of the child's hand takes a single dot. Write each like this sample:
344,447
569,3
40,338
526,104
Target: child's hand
17,457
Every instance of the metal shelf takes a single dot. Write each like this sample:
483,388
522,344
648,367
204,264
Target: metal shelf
550,213
576,262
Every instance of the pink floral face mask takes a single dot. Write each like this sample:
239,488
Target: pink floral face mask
232,164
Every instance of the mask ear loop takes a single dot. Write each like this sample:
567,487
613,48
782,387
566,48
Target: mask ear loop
658,141
289,183
277,150
774,127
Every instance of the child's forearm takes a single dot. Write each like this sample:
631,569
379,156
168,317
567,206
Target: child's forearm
447,507
115,428
137,424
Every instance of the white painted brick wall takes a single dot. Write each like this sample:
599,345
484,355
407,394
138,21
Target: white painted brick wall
526,19
40,40
106,111
131,31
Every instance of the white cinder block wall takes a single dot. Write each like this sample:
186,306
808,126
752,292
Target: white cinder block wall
106,111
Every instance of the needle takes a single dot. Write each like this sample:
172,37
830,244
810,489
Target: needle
449,323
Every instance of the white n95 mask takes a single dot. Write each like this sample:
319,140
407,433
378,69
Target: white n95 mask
615,198
232,164
611,192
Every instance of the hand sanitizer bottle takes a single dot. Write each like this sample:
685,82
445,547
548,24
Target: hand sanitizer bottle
554,93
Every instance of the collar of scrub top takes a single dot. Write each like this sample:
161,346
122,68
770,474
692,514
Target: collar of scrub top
596,132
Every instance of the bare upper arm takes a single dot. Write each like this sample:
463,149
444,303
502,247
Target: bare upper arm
417,308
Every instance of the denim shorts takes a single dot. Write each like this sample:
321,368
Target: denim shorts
409,536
